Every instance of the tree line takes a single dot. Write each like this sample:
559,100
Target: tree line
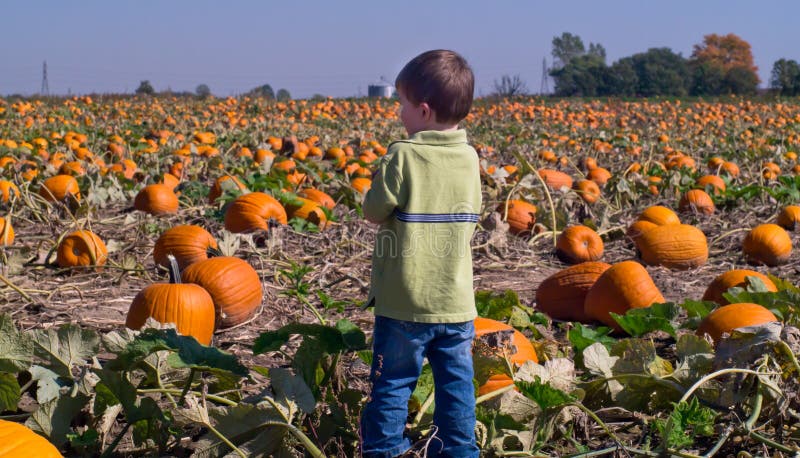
203,91
720,65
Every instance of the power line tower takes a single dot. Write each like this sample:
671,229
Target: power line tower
45,85
545,87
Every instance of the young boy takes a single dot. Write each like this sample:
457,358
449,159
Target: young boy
426,196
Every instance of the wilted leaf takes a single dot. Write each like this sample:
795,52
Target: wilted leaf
53,419
598,361
290,388
47,384
194,412
242,426
16,348
695,357
66,347
558,373
638,356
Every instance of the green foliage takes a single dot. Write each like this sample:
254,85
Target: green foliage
496,306
581,336
785,77
145,88
687,420
658,317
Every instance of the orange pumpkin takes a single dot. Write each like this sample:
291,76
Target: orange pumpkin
659,215
733,278
156,199
8,191
60,188
767,244
578,244
233,285
318,196
6,232
624,286
224,182
697,200
714,182
588,190
252,212
599,175
555,179
521,216
309,211
523,351
17,441
674,246
81,248
189,306
562,295
725,319
361,184
789,218
188,243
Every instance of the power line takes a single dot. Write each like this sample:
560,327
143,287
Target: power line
45,85
545,87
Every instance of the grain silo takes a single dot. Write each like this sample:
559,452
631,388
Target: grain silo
381,89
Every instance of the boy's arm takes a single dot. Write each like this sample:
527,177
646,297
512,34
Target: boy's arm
385,194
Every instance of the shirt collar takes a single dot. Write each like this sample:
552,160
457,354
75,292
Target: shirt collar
438,137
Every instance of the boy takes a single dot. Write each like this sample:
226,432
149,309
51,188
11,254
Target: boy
426,196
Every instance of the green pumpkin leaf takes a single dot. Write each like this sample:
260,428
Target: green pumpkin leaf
68,346
53,419
543,394
581,336
496,306
640,321
9,392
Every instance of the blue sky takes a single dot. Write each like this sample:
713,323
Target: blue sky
337,48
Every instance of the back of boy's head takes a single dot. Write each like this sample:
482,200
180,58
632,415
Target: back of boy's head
443,80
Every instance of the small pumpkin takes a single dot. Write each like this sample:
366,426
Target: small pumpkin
555,179
318,196
156,199
659,215
733,278
675,246
18,441
225,182
6,232
232,283
81,248
588,190
308,210
521,216
188,243
187,305
561,296
578,244
60,188
361,184
789,218
252,212
697,200
599,175
715,183
767,244
524,351
733,316
8,191
624,286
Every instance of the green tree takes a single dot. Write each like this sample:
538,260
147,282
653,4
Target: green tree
509,86
283,95
707,79
565,48
202,90
728,56
263,91
584,76
785,77
741,80
621,79
145,88
659,71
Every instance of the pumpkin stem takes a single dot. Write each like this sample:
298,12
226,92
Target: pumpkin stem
174,270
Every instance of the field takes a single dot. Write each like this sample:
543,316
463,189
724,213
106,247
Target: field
605,358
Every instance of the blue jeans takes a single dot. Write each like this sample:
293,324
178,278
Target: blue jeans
398,351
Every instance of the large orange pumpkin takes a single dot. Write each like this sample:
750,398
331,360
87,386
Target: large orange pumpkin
733,278
60,188
189,306
733,316
318,196
789,218
659,215
675,246
697,200
767,244
81,248
17,441
555,179
156,199
188,243
624,286
361,184
252,212
309,211
524,351
562,295
232,283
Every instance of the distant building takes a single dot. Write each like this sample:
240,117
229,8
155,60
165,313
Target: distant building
380,89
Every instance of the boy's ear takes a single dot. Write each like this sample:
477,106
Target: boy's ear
426,111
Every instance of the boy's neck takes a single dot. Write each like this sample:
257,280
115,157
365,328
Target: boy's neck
437,127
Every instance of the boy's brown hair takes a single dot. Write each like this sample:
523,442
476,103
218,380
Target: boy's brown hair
442,79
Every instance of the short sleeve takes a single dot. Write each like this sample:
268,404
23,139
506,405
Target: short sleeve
386,192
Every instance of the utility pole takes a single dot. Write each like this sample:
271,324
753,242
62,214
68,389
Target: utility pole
45,85
545,87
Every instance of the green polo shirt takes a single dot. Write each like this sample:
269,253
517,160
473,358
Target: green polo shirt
426,196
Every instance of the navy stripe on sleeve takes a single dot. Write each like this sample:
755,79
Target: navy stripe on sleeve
436,217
